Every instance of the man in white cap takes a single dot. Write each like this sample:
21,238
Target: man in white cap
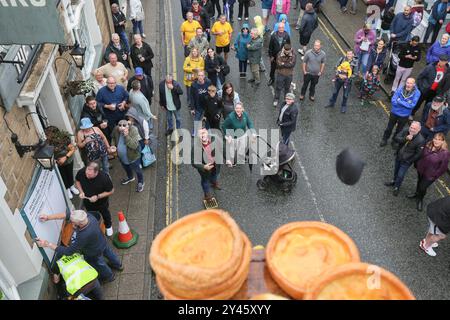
89,241
287,119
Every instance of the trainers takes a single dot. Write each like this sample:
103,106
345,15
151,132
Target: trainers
140,187
275,103
301,52
429,251
389,183
69,194
246,18
251,80
104,281
121,268
74,190
109,232
383,143
411,118
297,27
435,245
270,82
243,75
302,97
127,180
239,18
344,9
396,191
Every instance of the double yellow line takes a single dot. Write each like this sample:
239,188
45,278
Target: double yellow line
325,30
171,62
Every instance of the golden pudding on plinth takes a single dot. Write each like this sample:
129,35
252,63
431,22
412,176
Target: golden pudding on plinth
200,254
358,281
223,291
300,251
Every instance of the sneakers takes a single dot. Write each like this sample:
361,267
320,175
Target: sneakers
383,143
429,251
143,35
344,9
270,82
411,118
121,268
239,18
302,98
127,180
242,75
251,80
396,191
275,103
246,18
109,232
74,190
140,187
301,52
297,27
389,183
69,194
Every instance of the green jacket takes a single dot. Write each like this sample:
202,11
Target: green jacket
232,122
255,50
131,141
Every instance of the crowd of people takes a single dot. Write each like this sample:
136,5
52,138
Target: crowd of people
421,143
117,120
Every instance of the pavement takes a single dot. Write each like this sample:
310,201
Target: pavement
386,229
135,281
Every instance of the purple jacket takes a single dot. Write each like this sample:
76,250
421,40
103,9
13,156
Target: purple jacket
433,164
359,35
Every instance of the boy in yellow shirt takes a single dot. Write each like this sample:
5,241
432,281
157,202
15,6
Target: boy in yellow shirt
188,31
223,31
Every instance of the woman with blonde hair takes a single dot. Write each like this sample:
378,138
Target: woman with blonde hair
192,65
432,164
99,80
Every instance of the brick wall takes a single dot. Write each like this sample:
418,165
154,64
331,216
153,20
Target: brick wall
104,20
16,172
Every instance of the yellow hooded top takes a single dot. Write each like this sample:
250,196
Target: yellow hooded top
259,25
189,65
345,67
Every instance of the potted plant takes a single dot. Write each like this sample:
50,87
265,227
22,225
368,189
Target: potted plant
57,138
79,87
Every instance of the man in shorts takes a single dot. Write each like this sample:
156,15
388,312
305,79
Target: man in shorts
223,32
438,213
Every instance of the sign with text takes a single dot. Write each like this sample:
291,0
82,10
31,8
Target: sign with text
46,197
30,22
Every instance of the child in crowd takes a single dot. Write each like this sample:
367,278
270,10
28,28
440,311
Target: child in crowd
370,85
344,69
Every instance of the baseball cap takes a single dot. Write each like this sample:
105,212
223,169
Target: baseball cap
139,71
290,96
443,57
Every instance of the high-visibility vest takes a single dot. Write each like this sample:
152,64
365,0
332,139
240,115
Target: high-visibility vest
76,272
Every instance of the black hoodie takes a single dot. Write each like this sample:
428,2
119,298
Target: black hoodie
97,116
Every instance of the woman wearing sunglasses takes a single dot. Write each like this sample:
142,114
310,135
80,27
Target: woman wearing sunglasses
126,138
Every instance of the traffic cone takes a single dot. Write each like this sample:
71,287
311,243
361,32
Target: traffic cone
126,237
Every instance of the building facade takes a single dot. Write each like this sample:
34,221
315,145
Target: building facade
27,107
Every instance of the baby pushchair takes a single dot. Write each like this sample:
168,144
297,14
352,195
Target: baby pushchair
393,59
284,177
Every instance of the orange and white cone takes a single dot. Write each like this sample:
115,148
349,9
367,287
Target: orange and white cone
126,237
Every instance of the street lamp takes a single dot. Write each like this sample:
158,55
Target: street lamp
44,154
77,53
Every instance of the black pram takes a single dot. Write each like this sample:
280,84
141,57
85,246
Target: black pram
284,178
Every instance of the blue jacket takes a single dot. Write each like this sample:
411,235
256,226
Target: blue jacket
402,106
437,50
287,28
198,90
442,121
267,4
436,14
376,58
90,241
241,44
106,96
402,26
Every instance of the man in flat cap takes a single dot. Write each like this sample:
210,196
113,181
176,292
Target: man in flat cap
287,118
